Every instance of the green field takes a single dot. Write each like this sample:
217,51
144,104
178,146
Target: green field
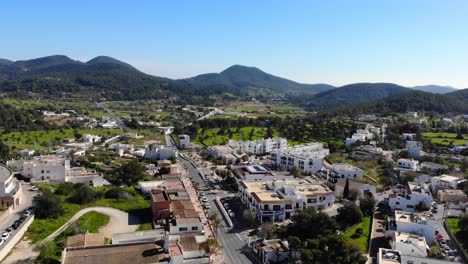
363,240
212,136
89,222
40,140
445,138
41,228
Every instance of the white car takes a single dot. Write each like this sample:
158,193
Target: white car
2,241
232,215
207,206
204,199
5,235
226,205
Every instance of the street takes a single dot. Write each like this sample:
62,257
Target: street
234,242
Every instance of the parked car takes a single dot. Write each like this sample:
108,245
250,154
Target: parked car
2,241
27,213
10,229
206,205
226,205
5,235
232,215
204,199
201,194
451,255
434,210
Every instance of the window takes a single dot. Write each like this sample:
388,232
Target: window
265,207
397,203
194,228
288,206
410,206
312,200
42,171
276,207
182,229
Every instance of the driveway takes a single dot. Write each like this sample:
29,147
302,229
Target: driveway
119,222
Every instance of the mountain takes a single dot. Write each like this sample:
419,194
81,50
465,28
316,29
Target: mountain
106,59
5,62
456,102
242,78
434,89
353,94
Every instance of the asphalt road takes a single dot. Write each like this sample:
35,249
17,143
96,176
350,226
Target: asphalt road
26,201
233,240
110,112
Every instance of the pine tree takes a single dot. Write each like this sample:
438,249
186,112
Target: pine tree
346,189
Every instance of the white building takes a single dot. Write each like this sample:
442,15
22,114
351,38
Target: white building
363,135
10,188
219,150
307,158
407,164
447,121
279,200
120,146
160,152
407,198
88,138
409,244
414,149
344,170
258,173
49,168
90,177
184,141
446,182
411,114
272,251
412,223
363,189
259,147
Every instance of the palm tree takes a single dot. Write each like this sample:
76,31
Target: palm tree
211,247
216,224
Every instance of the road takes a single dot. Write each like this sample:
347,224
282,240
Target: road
110,112
233,240
26,201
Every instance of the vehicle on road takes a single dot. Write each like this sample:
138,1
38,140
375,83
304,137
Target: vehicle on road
207,206
204,199
10,229
5,235
2,241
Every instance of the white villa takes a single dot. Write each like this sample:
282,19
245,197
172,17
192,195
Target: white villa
160,152
344,170
362,135
407,198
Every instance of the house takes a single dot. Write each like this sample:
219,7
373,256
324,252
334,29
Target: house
219,150
160,204
308,158
363,189
344,170
388,256
147,186
90,177
409,244
229,158
88,138
258,147
136,253
272,251
446,182
449,195
408,136
409,196
447,121
411,114
10,188
139,236
412,223
434,167
50,168
414,149
26,153
278,200
184,141
407,164
160,152
123,147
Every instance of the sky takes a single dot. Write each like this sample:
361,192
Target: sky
337,42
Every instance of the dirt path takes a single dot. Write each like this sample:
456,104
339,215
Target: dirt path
25,252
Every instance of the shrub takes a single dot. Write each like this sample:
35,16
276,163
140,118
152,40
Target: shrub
84,194
47,205
119,193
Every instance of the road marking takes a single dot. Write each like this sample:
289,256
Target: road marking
239,236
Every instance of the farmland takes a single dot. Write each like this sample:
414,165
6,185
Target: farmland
445,138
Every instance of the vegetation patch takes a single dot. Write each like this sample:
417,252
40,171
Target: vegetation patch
359,234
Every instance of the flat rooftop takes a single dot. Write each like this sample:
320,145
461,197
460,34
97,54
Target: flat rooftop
137,253
344,167
401,237
407,217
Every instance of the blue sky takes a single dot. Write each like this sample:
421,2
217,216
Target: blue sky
338,42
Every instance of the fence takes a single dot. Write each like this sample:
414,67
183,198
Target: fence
457,244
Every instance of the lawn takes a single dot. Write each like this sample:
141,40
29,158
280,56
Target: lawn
362,241
89,222
445,138
452,223
41,228
40,140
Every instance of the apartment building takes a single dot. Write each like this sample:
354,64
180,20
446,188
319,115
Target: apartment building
308,158
258,147
49,168
10,188
414,149
278,200
184,141
412,223
88,138
219,150
362,135
408,197
258,173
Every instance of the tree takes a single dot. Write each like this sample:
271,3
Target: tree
367,205
216,224
267,231
248,217
4,151
349,214
464,165
47,205
130,174
420,207
353,195
294,245
83,195
346,189
211,247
